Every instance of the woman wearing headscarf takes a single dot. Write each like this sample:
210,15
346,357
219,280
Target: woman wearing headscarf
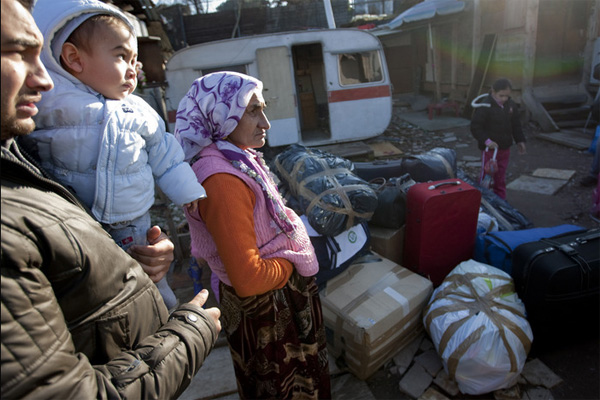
254,244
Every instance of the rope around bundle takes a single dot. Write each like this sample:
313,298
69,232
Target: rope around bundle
474,304
315,199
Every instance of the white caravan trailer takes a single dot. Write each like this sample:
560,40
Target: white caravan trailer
321,86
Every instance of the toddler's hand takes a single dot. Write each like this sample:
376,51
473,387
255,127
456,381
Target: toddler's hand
192,207
521,147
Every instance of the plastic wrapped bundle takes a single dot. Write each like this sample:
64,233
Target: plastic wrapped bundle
478,326
324,189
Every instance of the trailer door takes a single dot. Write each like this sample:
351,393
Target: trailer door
275,70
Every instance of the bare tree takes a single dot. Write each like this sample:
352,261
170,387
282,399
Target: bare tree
197,4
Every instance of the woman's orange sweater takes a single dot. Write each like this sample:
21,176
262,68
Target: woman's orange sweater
228,212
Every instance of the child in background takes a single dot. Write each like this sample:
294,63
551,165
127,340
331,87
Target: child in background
496,125
97,138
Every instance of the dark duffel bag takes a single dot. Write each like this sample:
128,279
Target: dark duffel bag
433,165
436,164
369,170
391,201
558,279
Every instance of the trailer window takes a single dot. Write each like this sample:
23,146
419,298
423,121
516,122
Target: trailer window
361,67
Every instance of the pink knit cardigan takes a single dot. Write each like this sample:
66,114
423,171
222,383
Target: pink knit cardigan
271,241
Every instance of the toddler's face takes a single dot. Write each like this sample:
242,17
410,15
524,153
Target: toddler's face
110,68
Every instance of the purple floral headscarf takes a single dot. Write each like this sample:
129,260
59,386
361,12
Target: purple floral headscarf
212,108
209,112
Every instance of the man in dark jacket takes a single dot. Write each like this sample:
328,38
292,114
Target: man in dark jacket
80,318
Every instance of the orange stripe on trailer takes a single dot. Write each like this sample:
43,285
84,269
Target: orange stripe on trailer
370,92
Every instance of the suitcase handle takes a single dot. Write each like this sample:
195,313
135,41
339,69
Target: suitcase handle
437,185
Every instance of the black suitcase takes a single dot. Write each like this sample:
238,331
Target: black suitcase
558,279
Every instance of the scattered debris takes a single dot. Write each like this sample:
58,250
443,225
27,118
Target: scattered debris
432,394
416,381
538,374
569,138
430,360
511,393
443,381
404,358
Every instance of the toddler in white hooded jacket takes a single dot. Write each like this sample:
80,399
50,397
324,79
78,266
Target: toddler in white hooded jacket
105,143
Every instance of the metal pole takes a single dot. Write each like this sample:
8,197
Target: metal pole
329,14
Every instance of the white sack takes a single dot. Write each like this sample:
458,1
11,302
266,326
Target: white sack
477,323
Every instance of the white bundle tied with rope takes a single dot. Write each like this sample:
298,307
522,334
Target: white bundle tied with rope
478,326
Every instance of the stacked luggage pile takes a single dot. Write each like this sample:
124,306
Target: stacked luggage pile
414,244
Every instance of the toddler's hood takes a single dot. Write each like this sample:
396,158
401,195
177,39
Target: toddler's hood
52,16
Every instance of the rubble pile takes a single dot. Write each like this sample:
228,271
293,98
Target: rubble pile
412,140
419,372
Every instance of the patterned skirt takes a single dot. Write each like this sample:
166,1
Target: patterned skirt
277,341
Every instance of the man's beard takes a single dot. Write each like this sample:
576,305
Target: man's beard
13,127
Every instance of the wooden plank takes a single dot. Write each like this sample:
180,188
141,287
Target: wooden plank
538,112
384,149
485,56
571,124
553,173
537,185
567,138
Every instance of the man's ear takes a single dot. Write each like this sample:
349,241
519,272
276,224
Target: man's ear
71,58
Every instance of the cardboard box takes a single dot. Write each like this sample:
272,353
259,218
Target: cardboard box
371,311
387,242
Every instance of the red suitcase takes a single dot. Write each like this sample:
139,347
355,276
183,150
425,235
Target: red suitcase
441,225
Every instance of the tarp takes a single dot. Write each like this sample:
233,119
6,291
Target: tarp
426,10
